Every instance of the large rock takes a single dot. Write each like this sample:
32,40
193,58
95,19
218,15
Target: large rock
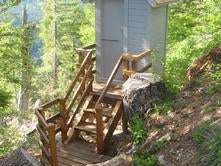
141,91
121,160
19,158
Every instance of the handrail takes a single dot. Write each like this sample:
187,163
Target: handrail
131,57
114,72
89,55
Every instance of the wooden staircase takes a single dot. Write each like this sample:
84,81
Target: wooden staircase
85,112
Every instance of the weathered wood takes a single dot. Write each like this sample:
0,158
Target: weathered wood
63,120
117,111
49,104
100,130
86,92
124,120
86,79
136,58
110,79
82,68
52,144
141,92
43,134
41,119
53,118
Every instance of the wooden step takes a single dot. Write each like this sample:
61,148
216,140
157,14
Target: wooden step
89,128
107,112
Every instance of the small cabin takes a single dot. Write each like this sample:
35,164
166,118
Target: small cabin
130,26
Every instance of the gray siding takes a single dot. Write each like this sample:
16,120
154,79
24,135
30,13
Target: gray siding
129,26
158,28
137,26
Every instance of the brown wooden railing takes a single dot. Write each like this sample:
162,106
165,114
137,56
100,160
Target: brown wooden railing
69,105
48,127
131,61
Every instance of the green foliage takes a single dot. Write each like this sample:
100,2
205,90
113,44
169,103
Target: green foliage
194,29
198,135
10,139
138,129
214,77
145,160
208,138
62,32
4,99
164,107
159,145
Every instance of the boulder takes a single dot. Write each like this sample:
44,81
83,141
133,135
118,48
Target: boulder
141,92
19,157
121,160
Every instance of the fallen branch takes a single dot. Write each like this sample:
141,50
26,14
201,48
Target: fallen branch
200,64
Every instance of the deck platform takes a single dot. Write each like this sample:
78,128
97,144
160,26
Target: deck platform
78,153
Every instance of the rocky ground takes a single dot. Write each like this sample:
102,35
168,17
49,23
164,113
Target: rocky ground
197,103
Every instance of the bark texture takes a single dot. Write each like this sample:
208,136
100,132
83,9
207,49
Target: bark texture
19,158
141,92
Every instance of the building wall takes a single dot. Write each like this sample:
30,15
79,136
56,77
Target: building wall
158,20
138,38
147,27
143,27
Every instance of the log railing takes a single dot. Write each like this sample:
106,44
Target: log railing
131,61
48,127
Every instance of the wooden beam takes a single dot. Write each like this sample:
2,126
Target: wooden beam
131,58
52,144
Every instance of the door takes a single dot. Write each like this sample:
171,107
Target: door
112,35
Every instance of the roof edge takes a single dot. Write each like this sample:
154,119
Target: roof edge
159,3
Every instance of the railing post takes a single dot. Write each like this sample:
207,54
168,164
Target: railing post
125,67
100,131
63,120
52,144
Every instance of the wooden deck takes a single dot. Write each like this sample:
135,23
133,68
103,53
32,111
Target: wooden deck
113,90
78,153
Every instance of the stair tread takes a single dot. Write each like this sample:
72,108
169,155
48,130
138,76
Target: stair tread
87,127
106,112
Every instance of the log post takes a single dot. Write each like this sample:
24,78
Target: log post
63,120
100,130
52,144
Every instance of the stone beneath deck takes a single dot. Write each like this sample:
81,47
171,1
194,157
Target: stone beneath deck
19,158
121,160
140,92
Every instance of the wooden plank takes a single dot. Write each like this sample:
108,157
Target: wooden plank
64,155
49,104
52,144
84,151
43,134
53,118
113,123
136,58
65,162
88,57
86,91
41,119
110,79
107,95
107,112
88,128
63,120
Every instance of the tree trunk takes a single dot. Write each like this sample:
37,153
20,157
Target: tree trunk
23,101
141,92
